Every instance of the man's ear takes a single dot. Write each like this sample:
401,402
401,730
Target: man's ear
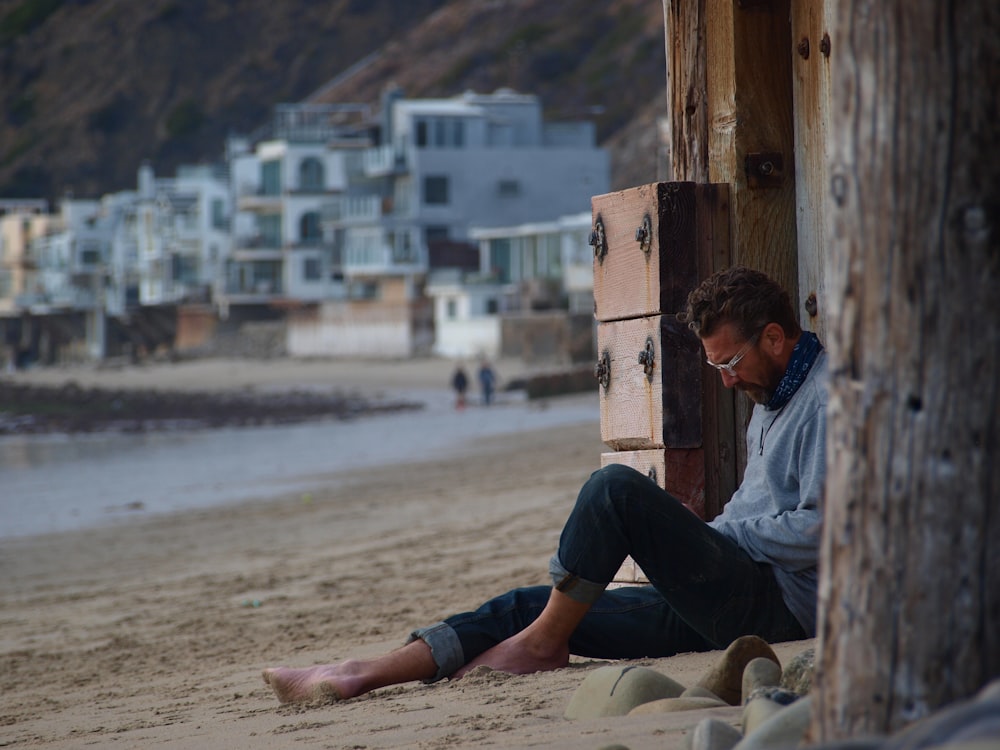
773,338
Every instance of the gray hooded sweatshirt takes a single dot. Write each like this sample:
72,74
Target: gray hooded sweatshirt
774,515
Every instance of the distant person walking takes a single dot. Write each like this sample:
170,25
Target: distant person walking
487,381
460,384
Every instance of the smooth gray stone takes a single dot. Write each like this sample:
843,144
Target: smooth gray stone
798,674
697,691
725,678
714,734
786,728
760,673
758,710
673,705
615,690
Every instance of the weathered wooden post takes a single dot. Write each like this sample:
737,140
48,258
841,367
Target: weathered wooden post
910,568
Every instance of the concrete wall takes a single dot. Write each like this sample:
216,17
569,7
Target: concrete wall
351,329
468,338
550,337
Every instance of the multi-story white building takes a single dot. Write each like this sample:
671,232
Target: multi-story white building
337,216
447,165
181,234
441,167
282,187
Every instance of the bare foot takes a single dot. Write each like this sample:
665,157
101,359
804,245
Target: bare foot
520,654
323,682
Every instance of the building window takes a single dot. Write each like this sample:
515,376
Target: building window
436,190
90,256
219,214
311,175
270,178
452,309
183,269
458,133
492,306
311,269
508,188
502,260
269,228
435,233
310,231
421,134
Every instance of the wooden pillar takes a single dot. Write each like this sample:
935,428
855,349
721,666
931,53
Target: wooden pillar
910,561
687,92
749,57
811,69
685,39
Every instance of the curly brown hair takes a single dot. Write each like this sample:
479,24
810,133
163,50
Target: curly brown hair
740,295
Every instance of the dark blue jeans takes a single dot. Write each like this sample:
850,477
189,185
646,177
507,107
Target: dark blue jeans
705,591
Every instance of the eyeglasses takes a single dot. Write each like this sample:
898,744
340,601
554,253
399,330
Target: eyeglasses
730,366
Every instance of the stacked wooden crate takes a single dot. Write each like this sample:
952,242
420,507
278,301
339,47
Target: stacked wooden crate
652,246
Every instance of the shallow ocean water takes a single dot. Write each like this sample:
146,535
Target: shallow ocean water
54,483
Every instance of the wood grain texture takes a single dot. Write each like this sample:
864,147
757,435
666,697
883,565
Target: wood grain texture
749,51
910,560
811,71
687,231
687,90
658,408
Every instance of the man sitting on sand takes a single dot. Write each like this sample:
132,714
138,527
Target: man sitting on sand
750,571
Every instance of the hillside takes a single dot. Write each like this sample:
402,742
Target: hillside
90,88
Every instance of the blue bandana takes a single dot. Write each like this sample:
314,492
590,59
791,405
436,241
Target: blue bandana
803,357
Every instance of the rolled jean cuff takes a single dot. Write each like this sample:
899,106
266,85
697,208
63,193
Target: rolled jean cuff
576,588
446,648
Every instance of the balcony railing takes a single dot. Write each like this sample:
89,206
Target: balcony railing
380,259
354,209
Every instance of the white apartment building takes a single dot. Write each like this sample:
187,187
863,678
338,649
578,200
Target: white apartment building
181,232
475,160
282,187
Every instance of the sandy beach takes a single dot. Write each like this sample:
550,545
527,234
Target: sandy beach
153,633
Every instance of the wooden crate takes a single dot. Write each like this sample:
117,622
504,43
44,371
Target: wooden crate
654,243
649,383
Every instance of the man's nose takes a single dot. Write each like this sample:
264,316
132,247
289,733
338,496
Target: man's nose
729,380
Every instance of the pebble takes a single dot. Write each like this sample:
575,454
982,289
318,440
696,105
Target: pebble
673,705
714,734
697,691
798,674
785,728
725,679
760,673
758,710
615,690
